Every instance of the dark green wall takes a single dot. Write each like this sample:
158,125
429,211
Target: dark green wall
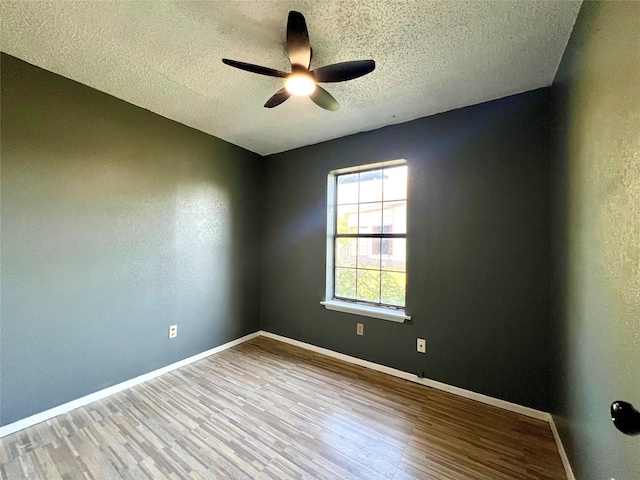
479,247
116,223
598,93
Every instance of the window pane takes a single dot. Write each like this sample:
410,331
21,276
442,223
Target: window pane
347,221
348,189
393,289
394,217
395,183
369,285
370,218
372,202
394,254
371,186
346,252
345,283
369,253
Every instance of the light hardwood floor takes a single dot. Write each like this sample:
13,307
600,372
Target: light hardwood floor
268,410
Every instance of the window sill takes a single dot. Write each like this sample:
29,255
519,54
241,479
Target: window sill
366,311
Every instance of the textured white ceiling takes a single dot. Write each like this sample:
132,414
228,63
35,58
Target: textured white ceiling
165,56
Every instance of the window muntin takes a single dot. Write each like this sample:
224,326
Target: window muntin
369,254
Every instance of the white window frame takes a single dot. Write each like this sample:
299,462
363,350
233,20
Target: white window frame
330,303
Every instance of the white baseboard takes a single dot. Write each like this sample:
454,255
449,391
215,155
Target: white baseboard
82,401
479,397
513,407
563,453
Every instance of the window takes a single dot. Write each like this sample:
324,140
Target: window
367,237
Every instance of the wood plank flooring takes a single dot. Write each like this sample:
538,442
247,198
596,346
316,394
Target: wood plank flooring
268,410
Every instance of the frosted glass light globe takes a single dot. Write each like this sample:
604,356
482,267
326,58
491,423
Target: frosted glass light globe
300,85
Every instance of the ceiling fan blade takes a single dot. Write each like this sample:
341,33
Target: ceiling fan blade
340,72
250,67
298,48
280,96
323,99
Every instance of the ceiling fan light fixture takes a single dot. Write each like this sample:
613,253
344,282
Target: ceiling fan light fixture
301,82
300,85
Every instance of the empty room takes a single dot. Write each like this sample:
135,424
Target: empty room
326,239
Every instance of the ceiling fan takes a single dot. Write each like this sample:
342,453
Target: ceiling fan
302,81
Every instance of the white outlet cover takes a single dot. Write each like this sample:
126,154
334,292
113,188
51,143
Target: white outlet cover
173,331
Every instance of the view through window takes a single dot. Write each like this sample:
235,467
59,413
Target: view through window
370,231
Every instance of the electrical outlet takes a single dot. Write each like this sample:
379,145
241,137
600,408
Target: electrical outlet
422,345
360,329
173,331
